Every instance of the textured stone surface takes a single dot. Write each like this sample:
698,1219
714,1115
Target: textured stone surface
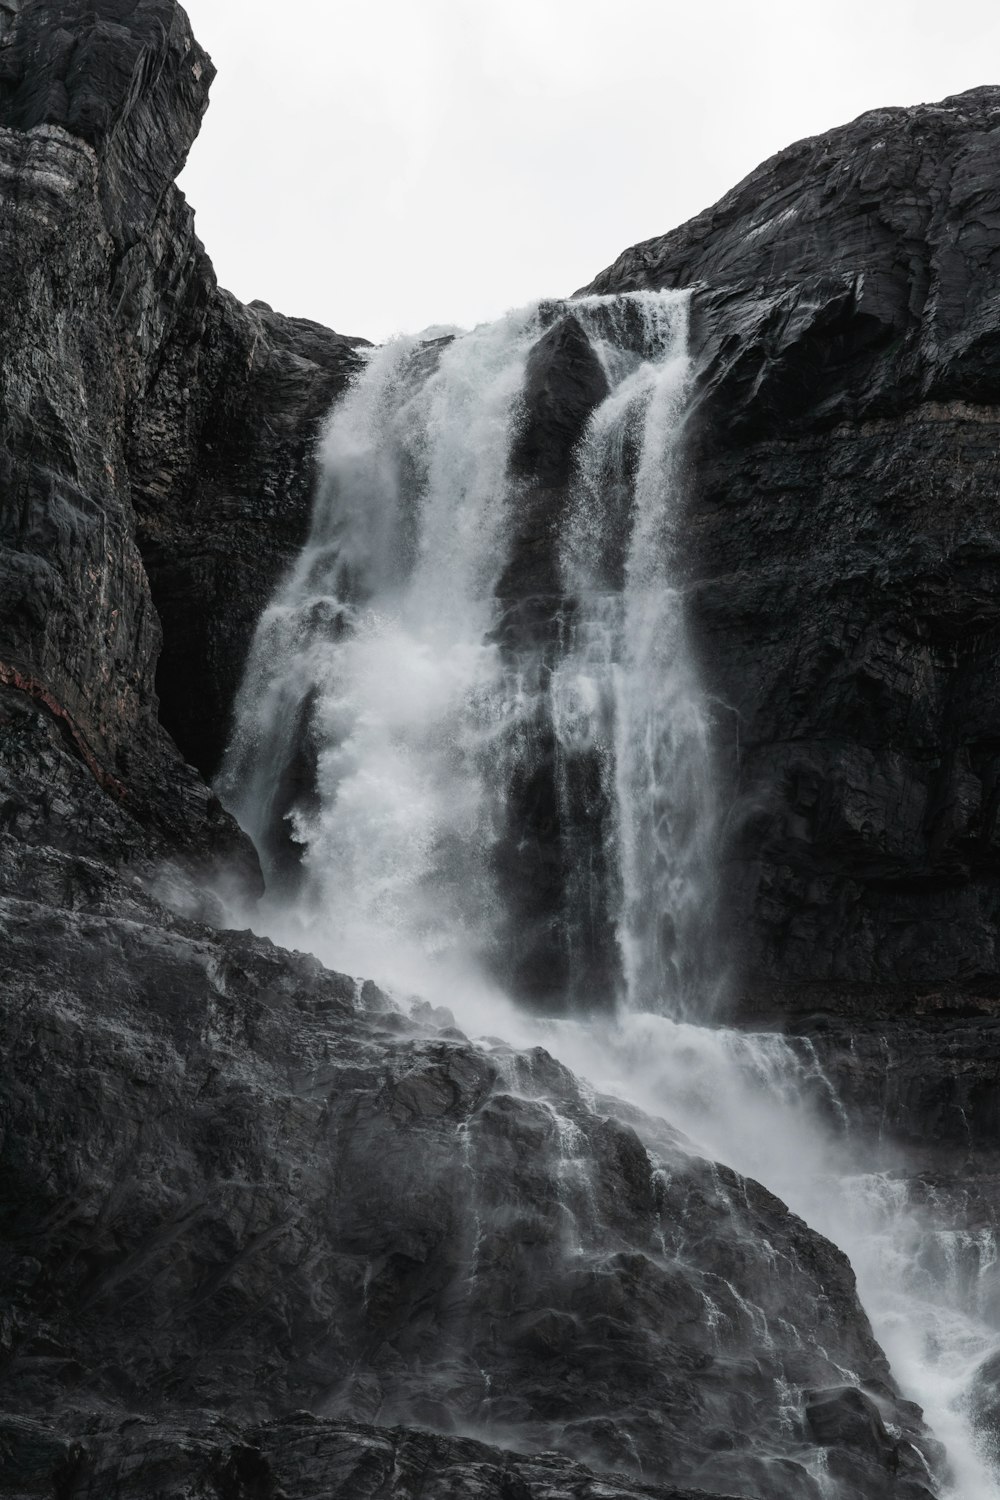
301,1456
255,1187
223,480
843,550
150,421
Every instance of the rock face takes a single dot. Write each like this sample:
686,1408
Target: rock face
299,1456
844,567
257,1188
844,557
155,432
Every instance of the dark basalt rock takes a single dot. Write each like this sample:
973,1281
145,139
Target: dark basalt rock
150,421
553,815
224,482
563,384
300,1456
843,560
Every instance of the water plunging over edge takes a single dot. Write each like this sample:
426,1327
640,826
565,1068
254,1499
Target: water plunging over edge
380,650
381,654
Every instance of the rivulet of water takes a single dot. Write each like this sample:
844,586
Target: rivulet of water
385,716
761,1103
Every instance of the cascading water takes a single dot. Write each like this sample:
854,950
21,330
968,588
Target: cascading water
375,662
419,754
629,664
384,717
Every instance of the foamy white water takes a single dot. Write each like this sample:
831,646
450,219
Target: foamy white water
630,649
381,722
382,630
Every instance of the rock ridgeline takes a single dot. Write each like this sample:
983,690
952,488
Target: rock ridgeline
229,1269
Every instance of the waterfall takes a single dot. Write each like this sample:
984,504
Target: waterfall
630,651
474,753
385,714
375,663
761,1104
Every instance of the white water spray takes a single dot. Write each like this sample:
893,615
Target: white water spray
381,636
761,1104
380,723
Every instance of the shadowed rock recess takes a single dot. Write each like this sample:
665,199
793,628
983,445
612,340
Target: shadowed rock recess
261,1234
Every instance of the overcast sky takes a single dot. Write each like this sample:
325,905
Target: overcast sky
384,165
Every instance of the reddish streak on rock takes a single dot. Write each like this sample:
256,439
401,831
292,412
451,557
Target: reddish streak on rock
24,683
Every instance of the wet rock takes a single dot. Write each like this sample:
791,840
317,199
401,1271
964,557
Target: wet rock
228,1186
151,425
298,1458
844,1421
235,1185
842,547
224,475
563,384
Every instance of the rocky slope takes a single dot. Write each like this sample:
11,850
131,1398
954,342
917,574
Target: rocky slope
258,1188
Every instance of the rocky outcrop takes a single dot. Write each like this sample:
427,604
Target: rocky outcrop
147,417
258,1187
843,551
223,481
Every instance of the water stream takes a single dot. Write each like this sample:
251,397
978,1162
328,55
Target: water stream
391,717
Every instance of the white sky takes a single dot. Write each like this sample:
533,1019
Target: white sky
383,165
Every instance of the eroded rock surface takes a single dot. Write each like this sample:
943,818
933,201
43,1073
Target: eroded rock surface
843,560
156,434
300,1456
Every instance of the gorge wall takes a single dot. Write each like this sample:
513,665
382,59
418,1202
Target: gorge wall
173,423
207,1290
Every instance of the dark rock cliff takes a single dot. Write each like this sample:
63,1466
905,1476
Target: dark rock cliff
844,554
